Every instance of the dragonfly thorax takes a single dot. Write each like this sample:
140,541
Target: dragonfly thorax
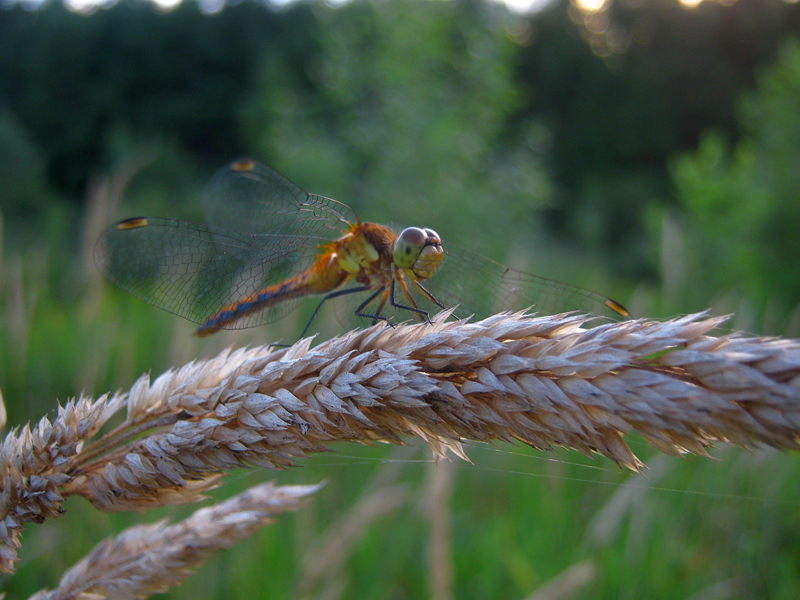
356,252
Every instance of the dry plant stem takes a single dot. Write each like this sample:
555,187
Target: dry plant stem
100,449
544,381
148,559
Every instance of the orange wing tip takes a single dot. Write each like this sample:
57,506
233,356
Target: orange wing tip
133,223
243,165
617,308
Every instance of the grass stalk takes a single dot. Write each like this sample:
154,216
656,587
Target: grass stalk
543,381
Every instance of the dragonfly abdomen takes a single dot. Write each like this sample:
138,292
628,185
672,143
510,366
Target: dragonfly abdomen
321,277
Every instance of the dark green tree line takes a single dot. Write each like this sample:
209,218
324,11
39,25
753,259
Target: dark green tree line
617,114
465,102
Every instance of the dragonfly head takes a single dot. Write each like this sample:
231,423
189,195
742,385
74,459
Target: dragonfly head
418,251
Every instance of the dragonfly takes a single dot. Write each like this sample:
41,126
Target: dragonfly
269,245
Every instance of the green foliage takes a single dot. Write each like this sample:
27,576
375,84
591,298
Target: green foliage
617,117
22,172
407,119
79,83
741,203
453,115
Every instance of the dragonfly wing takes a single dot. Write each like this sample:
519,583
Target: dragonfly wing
248,196
482,287
192,270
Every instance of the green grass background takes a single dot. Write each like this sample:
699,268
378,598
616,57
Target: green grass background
724,526
663,174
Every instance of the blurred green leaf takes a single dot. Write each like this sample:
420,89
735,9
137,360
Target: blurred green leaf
741,200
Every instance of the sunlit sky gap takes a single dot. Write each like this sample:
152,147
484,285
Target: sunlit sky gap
600,5
215,6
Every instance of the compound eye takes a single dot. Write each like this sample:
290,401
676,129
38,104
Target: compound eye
433,238
408,245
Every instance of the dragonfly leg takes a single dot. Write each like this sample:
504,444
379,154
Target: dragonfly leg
429,295
432,298
360,310
354,290
423,314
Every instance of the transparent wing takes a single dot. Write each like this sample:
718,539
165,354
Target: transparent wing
482,287
250,197
193,270
478,286
264,229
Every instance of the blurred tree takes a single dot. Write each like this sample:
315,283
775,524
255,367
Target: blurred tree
81,83
420,99
626,87
741,203
22,172
408,118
